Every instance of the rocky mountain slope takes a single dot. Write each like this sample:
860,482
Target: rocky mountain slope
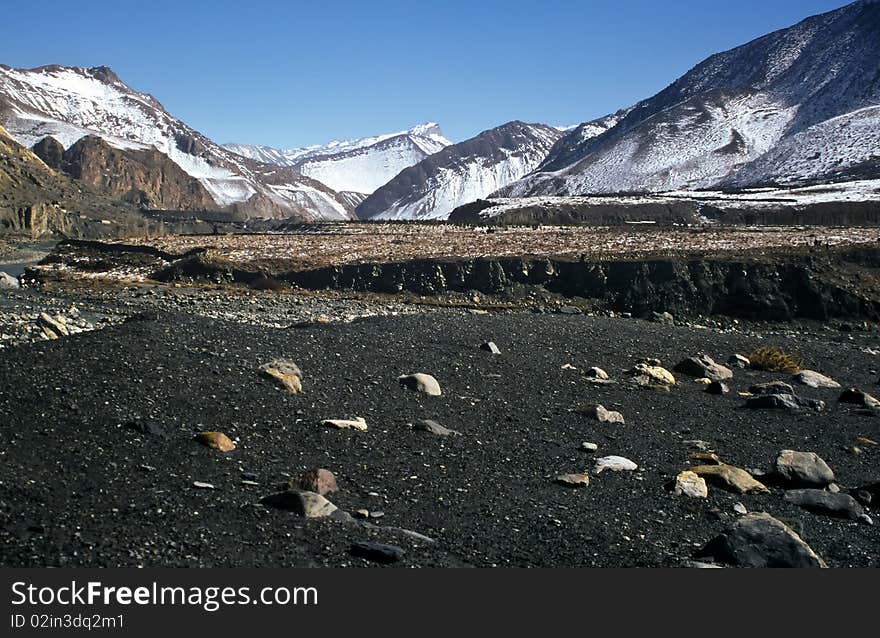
146,178
461,173
359,166
69,103
36,200
796,106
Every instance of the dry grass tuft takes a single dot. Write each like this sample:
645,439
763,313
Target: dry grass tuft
774,359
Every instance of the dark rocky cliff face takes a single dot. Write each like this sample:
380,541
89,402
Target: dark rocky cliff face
145,178
50,151
36,200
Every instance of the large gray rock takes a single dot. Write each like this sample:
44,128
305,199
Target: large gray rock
803,469
772,387
828,503
704,367
8,281
855,396
759,540
427,425
784,402
420,382
813,379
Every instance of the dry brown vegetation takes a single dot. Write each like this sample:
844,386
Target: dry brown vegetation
774,359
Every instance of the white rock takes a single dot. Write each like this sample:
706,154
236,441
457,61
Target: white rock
358,423
614,464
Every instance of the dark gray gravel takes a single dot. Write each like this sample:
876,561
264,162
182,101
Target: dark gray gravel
98,464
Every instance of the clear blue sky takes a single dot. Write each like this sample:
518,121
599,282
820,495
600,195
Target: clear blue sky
291,73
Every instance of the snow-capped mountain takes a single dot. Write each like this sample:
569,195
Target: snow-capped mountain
796,106
359,166
461,173
69,103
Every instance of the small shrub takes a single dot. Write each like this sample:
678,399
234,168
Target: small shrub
774,359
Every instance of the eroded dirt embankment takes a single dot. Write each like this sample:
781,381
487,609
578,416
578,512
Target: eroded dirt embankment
814,283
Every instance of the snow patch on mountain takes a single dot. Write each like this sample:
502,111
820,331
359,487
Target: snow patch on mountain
69,103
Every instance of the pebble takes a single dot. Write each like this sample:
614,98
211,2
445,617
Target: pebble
358,423
285,373
600,414
432,427
420,382
614,464
703,366
490,347
691,485
573,480
589,447
216,441
202,486
377,552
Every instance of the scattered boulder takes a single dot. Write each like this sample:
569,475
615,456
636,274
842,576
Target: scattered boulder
52,327
600,414
358,423
813,379
597,373
420,382
377,552
717,388
703,366
730,478
691,485
783,402
649,375
821,502
803,469
490,347
739,361
573,480
859,397
427,425
284,373
614,464
759,540
306,504
317,480
216,441
772,387
8,281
